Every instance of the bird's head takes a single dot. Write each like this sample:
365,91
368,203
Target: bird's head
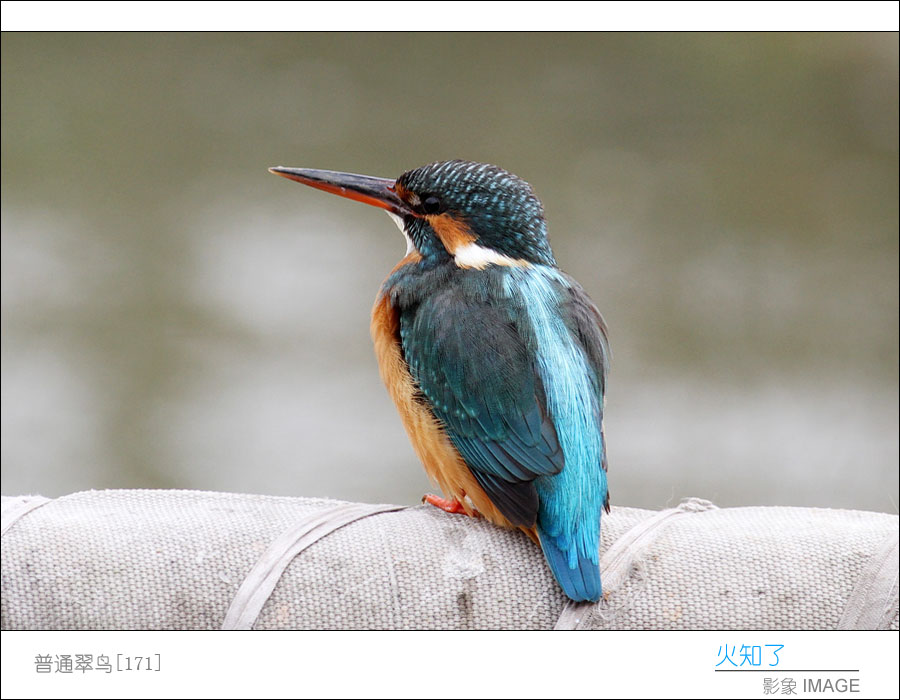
474,214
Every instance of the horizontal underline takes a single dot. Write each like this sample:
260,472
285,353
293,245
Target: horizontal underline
786,670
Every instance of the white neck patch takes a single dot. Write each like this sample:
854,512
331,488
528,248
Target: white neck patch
410,247
472,255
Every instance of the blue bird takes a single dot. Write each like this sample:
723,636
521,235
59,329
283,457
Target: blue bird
496,359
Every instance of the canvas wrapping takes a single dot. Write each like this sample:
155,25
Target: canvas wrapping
201,560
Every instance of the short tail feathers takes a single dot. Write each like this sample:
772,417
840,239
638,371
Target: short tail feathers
581,583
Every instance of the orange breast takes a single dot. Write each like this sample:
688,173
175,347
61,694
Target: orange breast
442,461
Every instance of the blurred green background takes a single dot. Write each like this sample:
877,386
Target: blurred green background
173,316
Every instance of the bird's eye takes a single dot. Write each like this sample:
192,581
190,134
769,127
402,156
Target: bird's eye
431,204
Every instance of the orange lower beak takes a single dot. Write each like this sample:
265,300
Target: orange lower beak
379,192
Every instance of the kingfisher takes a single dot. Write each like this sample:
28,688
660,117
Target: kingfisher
496,360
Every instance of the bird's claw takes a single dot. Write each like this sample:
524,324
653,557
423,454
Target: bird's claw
450,505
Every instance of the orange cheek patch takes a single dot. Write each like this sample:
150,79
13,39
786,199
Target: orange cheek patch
454,233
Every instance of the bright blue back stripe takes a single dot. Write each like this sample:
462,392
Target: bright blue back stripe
571,501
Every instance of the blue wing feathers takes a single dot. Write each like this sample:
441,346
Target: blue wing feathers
513,362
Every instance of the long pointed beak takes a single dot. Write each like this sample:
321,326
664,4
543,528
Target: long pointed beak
377,191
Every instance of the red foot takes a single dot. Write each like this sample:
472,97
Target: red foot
451,505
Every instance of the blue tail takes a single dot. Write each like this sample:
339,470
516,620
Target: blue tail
580,583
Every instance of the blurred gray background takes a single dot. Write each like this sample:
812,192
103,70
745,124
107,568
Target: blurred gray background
173,316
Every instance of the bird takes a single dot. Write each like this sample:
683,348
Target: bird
496,359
